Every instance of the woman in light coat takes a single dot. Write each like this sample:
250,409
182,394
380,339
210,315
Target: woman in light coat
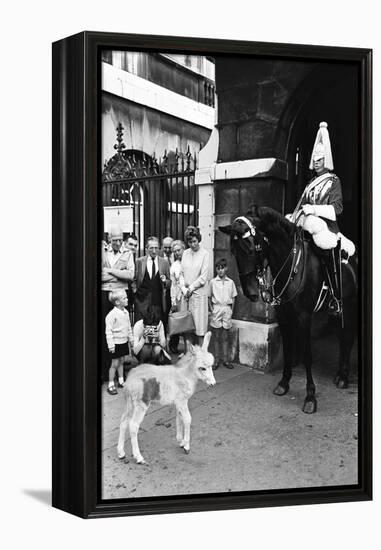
195,270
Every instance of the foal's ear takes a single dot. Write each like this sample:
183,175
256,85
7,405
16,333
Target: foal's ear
225,229
206,341
190,347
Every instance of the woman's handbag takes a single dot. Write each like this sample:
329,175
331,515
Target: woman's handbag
180,322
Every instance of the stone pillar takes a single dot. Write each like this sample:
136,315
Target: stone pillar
225,191
203,179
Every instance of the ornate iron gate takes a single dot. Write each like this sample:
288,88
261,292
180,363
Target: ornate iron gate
157,196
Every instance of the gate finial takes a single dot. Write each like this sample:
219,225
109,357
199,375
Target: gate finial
119,146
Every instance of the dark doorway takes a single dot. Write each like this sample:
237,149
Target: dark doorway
329,94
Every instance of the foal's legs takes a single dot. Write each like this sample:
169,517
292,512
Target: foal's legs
179,428
139,410
123,427
186,421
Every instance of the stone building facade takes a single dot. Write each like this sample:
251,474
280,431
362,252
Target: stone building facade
259,152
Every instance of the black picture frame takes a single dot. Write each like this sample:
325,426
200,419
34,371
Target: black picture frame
76,200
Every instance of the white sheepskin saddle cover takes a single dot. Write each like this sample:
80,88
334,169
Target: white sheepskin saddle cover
322,236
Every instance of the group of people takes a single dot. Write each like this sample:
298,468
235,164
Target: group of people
174,277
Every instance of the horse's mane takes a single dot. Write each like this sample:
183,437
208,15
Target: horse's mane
271,221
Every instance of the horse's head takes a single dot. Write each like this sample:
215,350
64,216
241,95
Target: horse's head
252,238
247,244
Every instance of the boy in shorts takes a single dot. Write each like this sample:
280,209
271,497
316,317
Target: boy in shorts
222,295
118,335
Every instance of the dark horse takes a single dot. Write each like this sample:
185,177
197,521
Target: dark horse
265,239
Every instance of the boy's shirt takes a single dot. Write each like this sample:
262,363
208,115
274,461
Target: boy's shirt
118,327
222,291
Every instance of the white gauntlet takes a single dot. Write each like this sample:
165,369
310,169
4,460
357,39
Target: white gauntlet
325,211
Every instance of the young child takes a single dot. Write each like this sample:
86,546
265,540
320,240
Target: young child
222,294
118,336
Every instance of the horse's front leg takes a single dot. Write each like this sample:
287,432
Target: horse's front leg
287,331
345,336
310,403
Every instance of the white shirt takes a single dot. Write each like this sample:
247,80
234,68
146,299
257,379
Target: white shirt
113,257
222,291
149,265
177,279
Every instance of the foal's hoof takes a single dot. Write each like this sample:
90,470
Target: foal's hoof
310,406
121,456
280,390
184,447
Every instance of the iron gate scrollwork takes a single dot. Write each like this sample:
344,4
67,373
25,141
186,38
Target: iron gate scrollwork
161,193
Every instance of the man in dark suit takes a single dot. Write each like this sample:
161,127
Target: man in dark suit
152,282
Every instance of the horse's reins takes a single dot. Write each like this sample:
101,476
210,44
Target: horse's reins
267,289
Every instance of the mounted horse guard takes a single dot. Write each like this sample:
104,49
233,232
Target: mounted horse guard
282,257
317,211
275,257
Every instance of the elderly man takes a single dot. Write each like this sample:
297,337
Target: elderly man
166,251
131,243
117,265
117,270
152,282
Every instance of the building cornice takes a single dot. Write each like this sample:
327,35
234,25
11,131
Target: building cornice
139,90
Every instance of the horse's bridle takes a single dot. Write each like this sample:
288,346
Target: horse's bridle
267,287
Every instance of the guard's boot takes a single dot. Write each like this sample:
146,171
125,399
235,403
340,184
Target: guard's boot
332,262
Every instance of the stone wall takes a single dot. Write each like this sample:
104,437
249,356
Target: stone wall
147,130
252,95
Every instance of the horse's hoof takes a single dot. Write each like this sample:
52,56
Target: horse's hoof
310,406
186,451
140,460
342,384
280,390
121,456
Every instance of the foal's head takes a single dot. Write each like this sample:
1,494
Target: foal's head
202,361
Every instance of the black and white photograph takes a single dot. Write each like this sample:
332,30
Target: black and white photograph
230,261
189,205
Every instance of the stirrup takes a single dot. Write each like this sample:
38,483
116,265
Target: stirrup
334,307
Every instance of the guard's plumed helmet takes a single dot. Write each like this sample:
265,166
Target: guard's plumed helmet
322,147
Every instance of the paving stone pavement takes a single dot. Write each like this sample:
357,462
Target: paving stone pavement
242,437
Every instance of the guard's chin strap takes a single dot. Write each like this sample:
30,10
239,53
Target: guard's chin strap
251,230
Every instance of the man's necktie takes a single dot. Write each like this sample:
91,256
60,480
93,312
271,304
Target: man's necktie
153,269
